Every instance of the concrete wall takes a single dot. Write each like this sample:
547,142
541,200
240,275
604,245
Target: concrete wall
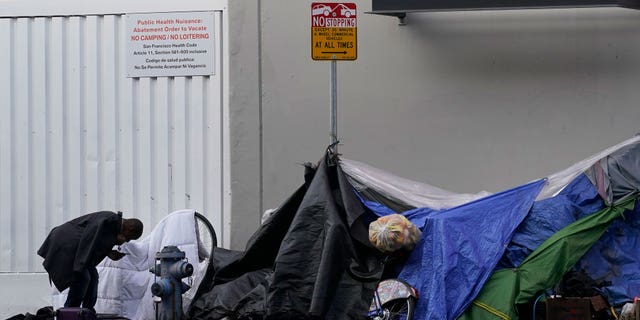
245,120
465,101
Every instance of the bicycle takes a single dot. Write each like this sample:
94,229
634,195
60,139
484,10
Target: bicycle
394,299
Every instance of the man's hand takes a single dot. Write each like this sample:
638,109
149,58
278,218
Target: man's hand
116,255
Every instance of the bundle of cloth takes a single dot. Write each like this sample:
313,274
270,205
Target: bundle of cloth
125,285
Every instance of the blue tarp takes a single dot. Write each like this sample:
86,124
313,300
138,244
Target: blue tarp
616,258
579,199
460,248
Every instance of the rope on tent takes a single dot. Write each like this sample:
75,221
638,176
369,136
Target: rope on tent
613,312
332,154
536,303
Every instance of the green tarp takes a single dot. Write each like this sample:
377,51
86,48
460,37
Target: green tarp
543,268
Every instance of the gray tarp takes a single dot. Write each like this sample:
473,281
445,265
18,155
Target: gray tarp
617,176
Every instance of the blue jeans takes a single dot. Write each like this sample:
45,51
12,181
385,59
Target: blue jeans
83,289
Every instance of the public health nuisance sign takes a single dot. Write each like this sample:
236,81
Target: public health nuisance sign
170,44
334,31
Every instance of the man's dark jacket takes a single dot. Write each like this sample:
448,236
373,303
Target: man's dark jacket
80,243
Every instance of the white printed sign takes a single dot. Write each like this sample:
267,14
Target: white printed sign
170,44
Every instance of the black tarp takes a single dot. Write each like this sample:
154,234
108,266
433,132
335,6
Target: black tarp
310,260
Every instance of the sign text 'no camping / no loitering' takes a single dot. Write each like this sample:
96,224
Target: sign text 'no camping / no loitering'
334,31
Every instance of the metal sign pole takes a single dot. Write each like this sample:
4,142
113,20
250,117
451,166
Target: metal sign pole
334,36
334,106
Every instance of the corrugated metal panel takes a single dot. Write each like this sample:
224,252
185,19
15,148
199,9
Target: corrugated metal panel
77,136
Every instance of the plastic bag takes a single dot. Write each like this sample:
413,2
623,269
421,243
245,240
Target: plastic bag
393,232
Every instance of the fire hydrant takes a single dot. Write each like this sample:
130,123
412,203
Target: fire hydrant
171,268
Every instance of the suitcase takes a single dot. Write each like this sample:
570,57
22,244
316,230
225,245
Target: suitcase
72,313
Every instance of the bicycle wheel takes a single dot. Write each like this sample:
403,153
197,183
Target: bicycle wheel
206,235
399,309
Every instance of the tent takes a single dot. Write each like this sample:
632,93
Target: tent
480,254
310,260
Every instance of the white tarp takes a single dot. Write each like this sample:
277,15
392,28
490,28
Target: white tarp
419,194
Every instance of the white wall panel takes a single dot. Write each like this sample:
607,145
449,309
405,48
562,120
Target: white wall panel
56,101
21,139
38,146
6,128
77,136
